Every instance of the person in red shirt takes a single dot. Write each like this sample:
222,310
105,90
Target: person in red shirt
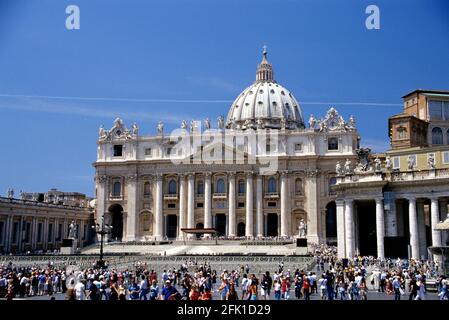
306,288
206,295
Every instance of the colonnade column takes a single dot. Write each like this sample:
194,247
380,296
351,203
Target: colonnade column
413,227
191,202
380,228
158,211
259,206
349,228
231,197
340,204
182,205
434,219
249,225
284,206
207,201
131,207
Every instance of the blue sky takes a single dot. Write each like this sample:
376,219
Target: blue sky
127,57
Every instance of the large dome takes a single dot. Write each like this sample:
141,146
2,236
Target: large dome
265,104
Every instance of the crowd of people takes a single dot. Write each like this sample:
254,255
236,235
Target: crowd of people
331,279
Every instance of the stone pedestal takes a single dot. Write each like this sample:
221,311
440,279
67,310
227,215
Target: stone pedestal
69,246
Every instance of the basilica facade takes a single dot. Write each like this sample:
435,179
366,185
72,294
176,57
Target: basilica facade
261,172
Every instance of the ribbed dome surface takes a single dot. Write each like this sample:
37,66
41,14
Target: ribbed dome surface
265,104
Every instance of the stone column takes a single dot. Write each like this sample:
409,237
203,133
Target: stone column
313,212
340,205
443,215
413,226
380,228
434,219
158,211
182,206
349,228
8,240
101,198
207,201
259,206
231,197
284,206
422,239
249,226
191,202
45,234
391,220
131,207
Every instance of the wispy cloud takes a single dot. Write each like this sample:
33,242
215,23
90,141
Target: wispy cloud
168,100
66,107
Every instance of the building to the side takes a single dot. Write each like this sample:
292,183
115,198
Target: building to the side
391,208
148,187
38,222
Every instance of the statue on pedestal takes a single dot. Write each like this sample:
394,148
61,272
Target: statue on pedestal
431,161
377,164
160,128
348,166
388,164
302,228
72,230
312,122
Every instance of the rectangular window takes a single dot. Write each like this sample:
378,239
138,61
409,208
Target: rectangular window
171,205
396,163
15,232
148,152
268,148
200,205
272,204
118,150
39,232
241,205
435,109
445,157
169,150
50,232
332,144
298,147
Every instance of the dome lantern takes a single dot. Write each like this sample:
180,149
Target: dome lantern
264,69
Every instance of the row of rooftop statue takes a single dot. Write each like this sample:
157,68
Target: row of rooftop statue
364,163
332,121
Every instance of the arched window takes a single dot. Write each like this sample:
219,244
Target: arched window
146,189
117,189
172,187
272,187
200,187
220,186
298,186
241,186
437,136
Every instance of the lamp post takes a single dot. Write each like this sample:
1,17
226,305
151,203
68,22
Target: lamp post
102,230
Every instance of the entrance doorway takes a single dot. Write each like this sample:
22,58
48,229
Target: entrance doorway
172,226
220,224
331,223
116,211
272,225
199,226
366,214
241,229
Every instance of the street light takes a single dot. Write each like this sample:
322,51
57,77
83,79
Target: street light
102,230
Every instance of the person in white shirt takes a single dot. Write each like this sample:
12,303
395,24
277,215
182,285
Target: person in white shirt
80,290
